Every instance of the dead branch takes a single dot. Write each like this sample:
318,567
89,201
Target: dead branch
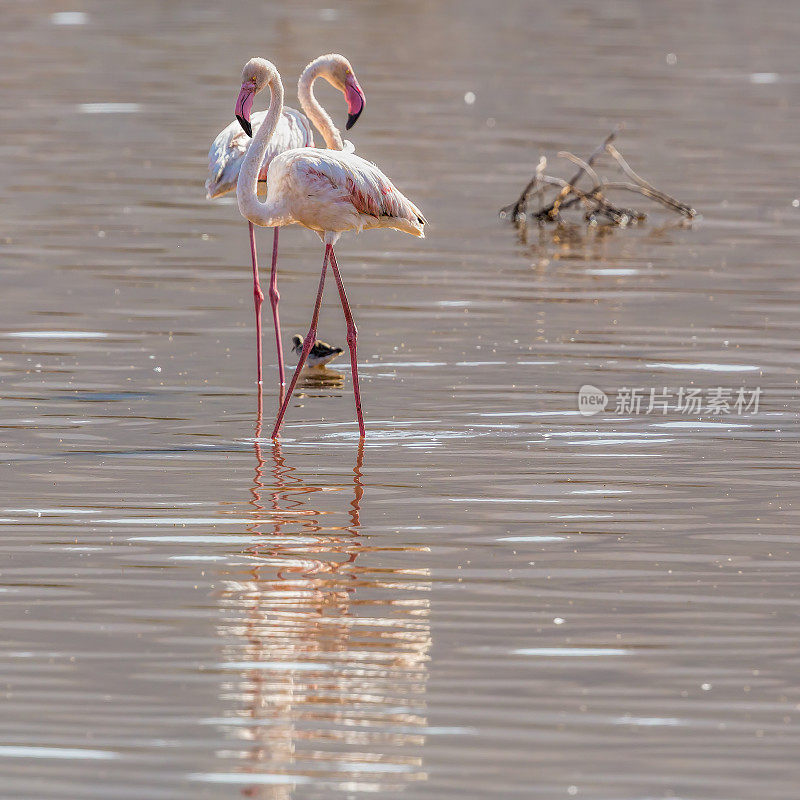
551,211
651,191
587,168
518,209
595,201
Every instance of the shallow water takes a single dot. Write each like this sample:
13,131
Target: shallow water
496,596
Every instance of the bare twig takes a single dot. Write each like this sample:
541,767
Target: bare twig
552,210
594,200
520,207
652,192
604,206
596,152
587,168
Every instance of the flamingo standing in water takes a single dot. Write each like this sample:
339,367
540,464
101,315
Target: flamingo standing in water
327,191
293,130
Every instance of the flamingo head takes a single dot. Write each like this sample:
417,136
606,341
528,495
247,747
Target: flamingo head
339,73
256,74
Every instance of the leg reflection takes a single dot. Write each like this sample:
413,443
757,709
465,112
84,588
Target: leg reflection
328,655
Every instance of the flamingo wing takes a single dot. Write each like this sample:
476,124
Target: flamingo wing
230,147
358,182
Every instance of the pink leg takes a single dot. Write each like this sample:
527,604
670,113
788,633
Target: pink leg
352,337
274,297
259,412
258,296
307,344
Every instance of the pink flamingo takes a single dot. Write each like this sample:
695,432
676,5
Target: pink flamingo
327,191
293,130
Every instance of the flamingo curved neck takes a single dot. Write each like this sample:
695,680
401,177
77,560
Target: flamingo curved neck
267,213
312,107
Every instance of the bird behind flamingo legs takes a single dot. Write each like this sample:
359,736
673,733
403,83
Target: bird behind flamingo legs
320,354
293,130
328,191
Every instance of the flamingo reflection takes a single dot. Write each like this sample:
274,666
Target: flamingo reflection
329,655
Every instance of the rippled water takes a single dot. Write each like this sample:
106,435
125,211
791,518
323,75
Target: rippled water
495,596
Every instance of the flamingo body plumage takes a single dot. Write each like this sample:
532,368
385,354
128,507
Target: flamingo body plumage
334,191
228,150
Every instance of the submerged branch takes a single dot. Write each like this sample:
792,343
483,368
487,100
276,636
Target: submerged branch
595,200
651,191
518,209
551,211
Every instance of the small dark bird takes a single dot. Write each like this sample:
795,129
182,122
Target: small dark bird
321,353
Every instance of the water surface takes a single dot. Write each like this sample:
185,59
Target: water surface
495,596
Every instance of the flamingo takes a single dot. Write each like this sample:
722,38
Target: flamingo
293,130
327,191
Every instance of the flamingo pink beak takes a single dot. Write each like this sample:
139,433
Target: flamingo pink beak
244,105
356,101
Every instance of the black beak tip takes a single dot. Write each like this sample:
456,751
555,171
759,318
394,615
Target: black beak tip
352,119
246,126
